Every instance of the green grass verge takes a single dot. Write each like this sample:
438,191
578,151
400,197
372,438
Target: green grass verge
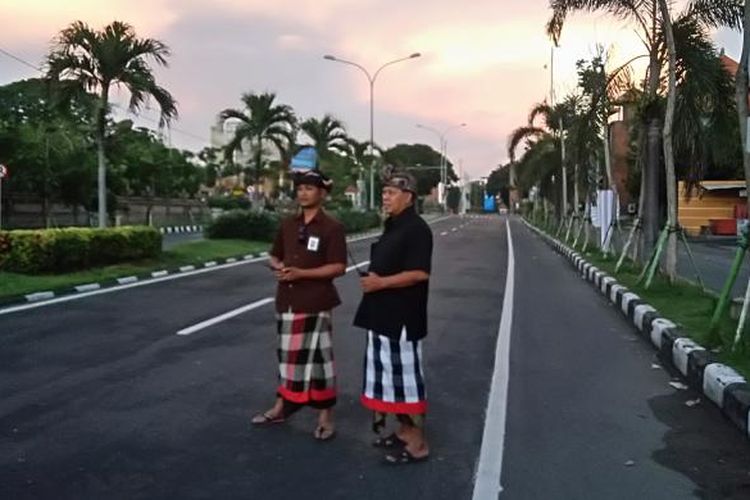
13,284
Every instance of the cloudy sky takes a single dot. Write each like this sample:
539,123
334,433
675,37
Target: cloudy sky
485,62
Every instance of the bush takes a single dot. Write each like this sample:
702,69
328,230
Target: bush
262,226
70,249
244,224
356,222
229,202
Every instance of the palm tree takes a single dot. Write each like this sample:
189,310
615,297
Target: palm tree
548,130
651,26
101,60
671,262
261,121
328,135
742,93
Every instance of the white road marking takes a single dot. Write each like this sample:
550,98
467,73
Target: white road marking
361,264
227,315
490,466
241,310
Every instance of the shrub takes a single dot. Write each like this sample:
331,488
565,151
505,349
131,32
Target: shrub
229,202
70,249
355,222
244,224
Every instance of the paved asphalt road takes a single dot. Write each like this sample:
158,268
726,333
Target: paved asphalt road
99,398
714,259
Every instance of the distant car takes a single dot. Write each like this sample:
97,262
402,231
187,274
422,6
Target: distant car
503,211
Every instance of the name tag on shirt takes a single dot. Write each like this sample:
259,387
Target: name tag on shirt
313,243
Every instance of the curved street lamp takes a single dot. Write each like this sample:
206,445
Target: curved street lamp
371,77
443,150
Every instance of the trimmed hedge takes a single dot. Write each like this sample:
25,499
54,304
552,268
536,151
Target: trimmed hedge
229,202
262,226
356,222
70,249
244,224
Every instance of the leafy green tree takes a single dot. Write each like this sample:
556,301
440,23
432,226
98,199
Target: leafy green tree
45,139
420,160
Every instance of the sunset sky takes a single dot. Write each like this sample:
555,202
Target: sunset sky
483,60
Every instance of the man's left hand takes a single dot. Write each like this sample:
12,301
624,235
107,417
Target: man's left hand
289,274
372,283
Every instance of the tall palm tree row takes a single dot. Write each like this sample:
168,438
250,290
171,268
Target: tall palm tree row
100,60
652,23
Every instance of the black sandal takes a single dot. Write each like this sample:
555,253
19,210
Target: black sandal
404,458
392,442
263,419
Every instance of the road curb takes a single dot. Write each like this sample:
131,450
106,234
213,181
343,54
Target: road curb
719,383
180,229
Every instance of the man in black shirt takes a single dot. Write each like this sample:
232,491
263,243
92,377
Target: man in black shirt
394,313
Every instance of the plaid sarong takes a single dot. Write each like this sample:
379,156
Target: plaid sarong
306,370
394,379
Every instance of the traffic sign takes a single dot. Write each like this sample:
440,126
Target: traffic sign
3,171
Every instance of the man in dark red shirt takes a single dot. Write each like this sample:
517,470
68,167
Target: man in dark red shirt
308,253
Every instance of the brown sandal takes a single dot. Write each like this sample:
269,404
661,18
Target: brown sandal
323,433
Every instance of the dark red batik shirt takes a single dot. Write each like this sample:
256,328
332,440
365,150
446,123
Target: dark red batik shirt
307,246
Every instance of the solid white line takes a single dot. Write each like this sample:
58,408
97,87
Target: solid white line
361,264
240,310
225,316
490,466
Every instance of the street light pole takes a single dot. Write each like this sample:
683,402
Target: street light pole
443,152
371,78
562,132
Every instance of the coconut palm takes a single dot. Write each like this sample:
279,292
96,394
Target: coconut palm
262,121
742,91
327,134
102,60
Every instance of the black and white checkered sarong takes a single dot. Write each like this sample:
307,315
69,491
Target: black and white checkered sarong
394,378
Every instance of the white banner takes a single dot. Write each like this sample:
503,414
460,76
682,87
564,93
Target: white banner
604,202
